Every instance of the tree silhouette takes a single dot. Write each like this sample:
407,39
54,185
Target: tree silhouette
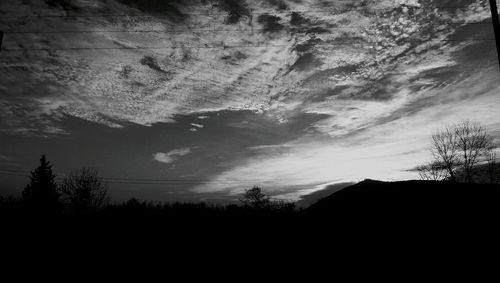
473,141
84,190
491,159
254,198
434,171
41,193
445,150
460,148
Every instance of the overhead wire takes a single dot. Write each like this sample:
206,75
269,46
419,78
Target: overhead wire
191,29
243,12
205,46
146,181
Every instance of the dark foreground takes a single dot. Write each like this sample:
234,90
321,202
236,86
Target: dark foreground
407,217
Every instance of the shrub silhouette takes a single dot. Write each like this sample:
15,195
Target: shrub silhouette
41,193
84,190
254,198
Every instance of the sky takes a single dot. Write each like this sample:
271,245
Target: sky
202,99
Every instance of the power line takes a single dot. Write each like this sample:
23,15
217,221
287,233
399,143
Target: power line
24,172
224,46
136,181
190,29
324,10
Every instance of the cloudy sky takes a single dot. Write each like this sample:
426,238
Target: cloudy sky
201,99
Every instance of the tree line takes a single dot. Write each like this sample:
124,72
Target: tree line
80,191
83,191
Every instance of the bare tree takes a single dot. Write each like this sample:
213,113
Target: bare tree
445,150
459,149
84,190
434,171
491,159
472,142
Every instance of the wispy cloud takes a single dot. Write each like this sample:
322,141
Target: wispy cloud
171,156
378,102
197,125
386,150
146,87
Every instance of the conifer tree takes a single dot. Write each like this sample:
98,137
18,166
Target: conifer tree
41,193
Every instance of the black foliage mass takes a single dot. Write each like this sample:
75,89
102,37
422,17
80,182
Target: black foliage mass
412,200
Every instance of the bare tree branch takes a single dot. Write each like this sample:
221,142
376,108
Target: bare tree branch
434,171
458,149
491,159
445,151
84,190
472,141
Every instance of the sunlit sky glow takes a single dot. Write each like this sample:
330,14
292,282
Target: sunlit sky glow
291,95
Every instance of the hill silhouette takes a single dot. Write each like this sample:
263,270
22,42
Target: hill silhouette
308,200
424,204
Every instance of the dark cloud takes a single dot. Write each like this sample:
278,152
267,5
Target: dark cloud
234,57
150,62
300,24
379,90
279,4
323,94
306,62
307,46
468,55
27,119
270,23
481,30
317,30
236,9
442,75
324,76
66,5
125,71
298,20
157,7
446,3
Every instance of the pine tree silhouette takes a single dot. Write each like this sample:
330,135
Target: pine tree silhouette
41,193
